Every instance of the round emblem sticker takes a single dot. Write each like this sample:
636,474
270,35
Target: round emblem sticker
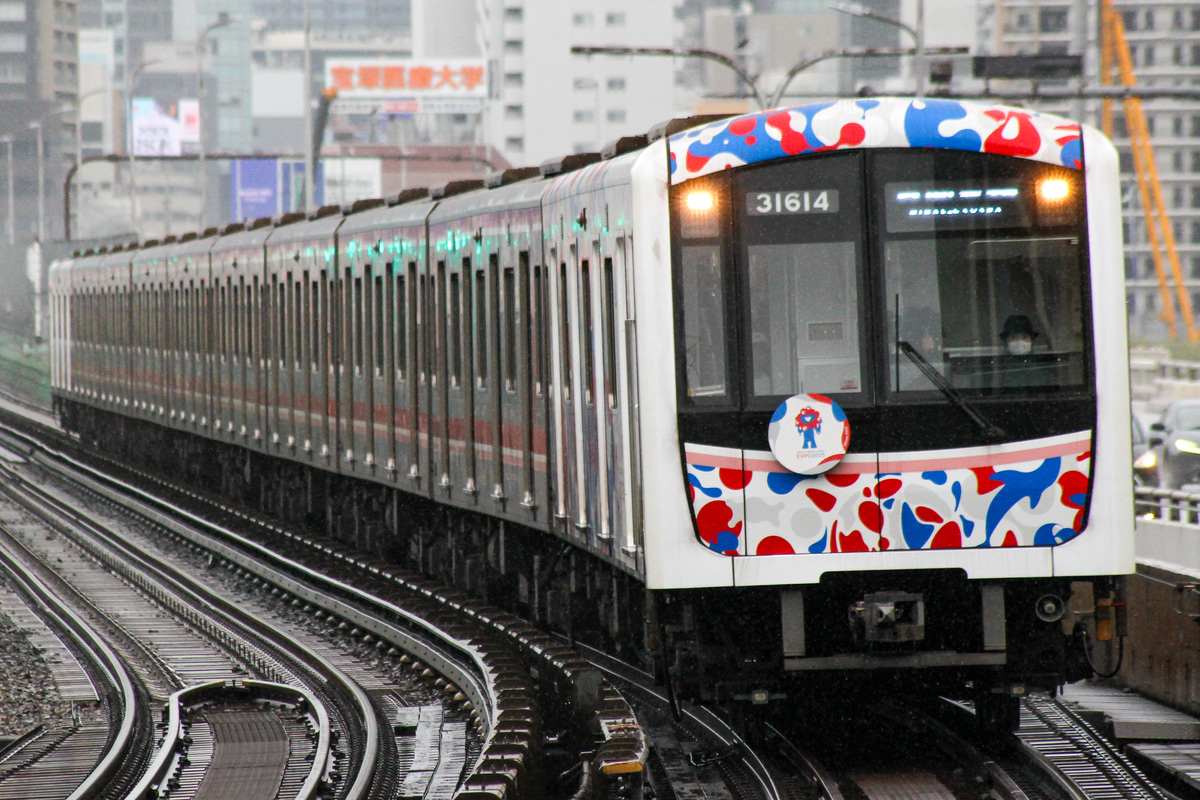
809,433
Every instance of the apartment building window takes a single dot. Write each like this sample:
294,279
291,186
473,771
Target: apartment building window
584,84
514,144
514,46
1177,57
1024,22
1130,19
1195,161
616,84
1195,259
1177,21
583,19
1196,197
514,15
585,115
1053,20
1148,55
615,19
13,72
1177,197
514,80
1195,19
1149,21
12,11
616,115
1121,130
514,112
12,43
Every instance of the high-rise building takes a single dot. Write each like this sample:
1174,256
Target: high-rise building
547,102
1164,43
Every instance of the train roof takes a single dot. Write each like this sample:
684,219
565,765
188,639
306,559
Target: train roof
402,215
246,237
304,230
874,122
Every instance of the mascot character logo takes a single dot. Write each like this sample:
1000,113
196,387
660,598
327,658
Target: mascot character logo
808,423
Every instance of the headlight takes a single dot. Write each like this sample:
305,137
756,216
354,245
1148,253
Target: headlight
1146,460
1187,446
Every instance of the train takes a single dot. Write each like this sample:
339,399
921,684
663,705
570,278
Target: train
827,395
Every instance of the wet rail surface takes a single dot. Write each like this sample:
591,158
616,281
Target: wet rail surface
189,632
391,613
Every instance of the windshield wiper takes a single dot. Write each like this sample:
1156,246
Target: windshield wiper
989,429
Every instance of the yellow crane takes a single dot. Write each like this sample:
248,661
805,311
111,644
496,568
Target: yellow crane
1114,50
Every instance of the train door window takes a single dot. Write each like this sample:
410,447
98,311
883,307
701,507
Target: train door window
281,346
423,326
356,330
480,328
299,338
610,335
401,322
802,227
587,332
438,362
382,322
456,333
564,331
537,329
510,325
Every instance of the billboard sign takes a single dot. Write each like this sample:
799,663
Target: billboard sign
378,78
159,128
266,187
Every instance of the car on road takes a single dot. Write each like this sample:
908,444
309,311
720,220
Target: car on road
1145,458
1175,439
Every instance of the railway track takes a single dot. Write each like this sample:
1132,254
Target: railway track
181,650
684,752
442,632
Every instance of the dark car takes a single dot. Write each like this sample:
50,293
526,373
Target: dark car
1145,459
1176,441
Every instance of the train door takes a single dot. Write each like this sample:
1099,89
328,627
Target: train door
610,403
344,370
465,375
589,433
624,324
563,391
422,467
494,404
366,324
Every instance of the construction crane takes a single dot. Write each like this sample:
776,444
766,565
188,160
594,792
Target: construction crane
1114,51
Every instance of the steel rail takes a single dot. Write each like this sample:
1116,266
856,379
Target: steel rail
195,595
103,656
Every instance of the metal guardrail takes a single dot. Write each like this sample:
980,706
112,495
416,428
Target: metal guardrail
1167,505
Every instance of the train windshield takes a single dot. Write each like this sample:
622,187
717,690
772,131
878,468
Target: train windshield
982,277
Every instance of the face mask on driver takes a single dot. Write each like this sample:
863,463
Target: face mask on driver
1019,345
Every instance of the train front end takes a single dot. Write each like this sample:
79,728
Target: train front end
901,398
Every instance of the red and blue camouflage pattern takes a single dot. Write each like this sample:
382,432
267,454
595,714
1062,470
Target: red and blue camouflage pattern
875,122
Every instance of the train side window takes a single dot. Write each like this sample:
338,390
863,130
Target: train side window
356,331
510,324
588,334
438,321
480,327
704,304
281,346
383,322
536,332
456,324
610,338
564,333
401,330
422,326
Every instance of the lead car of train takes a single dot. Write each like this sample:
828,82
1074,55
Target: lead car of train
827,393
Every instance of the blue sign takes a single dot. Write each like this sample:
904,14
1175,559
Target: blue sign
267,187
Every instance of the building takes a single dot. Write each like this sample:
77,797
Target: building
39,86
1164,42
546,102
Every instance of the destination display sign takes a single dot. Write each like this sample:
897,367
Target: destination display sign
927,206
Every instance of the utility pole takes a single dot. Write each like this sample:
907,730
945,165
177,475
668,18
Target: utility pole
223,19
310,180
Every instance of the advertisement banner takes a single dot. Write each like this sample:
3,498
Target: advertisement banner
449,78
189,125
266,187
154,131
